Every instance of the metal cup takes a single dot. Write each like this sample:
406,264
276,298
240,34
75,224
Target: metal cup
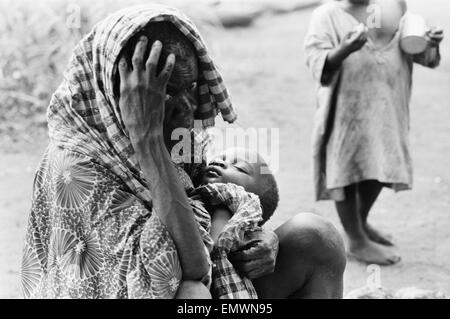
413,34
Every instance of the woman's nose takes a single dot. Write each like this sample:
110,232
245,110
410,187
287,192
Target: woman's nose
189,104
192,98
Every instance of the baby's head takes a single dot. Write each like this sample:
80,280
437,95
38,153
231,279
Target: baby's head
249,170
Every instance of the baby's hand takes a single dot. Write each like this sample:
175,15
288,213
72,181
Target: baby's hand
435,36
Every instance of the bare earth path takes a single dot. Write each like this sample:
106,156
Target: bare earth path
264,67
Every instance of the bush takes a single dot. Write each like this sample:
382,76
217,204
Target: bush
36,41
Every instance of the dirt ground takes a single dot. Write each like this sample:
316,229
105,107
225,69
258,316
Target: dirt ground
264,68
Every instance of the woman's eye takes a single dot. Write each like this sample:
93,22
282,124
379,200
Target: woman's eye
193,86
170,91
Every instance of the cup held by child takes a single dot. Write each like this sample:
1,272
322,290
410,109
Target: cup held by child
413,34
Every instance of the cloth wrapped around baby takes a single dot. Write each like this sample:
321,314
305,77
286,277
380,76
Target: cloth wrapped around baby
247,214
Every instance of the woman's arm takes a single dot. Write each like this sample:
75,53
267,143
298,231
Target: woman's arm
171,204
142,96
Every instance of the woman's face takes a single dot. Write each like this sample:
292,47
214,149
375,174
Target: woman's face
182,92
182,95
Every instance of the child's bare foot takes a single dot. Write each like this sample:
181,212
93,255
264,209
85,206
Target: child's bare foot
372,253
377,236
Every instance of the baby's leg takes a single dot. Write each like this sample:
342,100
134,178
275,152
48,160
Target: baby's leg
190,289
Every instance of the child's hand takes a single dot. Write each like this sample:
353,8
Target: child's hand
435,36
355,40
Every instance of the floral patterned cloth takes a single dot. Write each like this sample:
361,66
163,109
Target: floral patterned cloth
90,237
91,231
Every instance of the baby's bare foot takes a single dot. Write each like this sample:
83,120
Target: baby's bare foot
378,236
373,253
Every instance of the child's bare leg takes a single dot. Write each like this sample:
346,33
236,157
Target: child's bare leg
310,262
359,244
190,289
368,192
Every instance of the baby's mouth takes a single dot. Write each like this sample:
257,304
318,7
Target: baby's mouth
212,172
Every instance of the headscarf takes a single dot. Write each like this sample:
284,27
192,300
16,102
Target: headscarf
83,116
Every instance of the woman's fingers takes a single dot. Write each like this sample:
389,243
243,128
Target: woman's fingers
124,71
151,65
139,52
152,62
254,269
168,68
248,254
260,269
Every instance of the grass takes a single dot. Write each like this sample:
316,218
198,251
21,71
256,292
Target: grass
36,41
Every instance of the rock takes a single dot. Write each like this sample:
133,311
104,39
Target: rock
234,16
417,293
369,293
404,293
242,13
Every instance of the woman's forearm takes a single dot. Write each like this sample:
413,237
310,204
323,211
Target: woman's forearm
171,204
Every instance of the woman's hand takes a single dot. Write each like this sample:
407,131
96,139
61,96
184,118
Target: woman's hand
142,103
435,37
258,257
143,91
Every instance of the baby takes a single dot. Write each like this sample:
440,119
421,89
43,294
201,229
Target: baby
234,167
240,194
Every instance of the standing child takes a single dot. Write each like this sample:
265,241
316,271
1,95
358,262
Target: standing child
360,139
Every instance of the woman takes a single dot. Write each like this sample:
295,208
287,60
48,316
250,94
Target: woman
110,214
362,122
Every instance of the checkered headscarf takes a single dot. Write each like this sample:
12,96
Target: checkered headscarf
83,116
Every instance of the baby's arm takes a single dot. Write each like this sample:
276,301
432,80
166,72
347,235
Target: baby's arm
219,218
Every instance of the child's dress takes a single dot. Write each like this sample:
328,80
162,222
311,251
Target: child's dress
362,121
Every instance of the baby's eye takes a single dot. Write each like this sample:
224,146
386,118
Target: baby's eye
240,169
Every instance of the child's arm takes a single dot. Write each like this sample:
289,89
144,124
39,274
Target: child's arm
352,42
219,218
431,57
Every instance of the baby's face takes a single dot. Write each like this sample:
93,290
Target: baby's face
234,166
